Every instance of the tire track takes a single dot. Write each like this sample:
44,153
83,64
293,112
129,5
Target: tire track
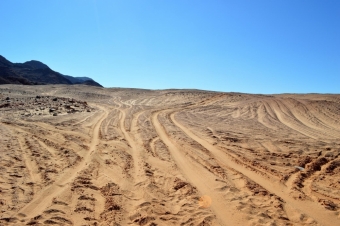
310,208
138,169
31,167
206,182
45,196
286,117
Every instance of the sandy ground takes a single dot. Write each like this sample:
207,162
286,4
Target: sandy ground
80,155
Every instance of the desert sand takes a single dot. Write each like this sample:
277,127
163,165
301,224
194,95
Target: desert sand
81,155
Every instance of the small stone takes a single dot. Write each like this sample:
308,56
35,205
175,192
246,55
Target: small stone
329,204
329,154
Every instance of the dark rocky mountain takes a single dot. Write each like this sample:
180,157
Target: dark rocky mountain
36,73
4,62
91,83
78,80
36,64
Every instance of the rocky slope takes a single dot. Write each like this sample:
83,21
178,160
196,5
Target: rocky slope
36,73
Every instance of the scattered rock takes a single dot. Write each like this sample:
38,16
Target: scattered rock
332,166
304,160
316,165
329,155
328,204
59,105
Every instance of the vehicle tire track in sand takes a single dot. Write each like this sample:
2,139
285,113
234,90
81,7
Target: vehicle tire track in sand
138,174
31,167
83,120
205,182
310,208
49,149
308,184
286,117
152,146
44,198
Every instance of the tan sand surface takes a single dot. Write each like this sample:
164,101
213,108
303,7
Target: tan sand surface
82,155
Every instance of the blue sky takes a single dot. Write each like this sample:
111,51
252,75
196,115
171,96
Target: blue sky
273,46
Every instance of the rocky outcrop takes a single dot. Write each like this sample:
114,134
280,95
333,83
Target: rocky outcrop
36,73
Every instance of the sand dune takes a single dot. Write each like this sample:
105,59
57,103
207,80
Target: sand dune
77,155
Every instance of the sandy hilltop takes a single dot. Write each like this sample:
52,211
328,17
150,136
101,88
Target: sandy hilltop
82,155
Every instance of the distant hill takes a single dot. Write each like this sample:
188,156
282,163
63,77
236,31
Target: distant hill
36,73
78,80
35,64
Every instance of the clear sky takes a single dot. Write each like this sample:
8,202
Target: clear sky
254,46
